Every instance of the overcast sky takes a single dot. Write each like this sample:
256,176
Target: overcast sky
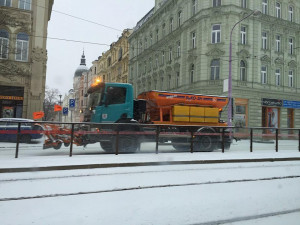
64,56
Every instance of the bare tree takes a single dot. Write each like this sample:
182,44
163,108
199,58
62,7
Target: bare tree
51,98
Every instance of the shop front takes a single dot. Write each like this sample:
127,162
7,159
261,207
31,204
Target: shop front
271,113
11,101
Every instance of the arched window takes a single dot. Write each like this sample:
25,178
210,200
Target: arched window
22,47
109,61
120,54
243,74
5,3
4,43
192,72
25,4
215,69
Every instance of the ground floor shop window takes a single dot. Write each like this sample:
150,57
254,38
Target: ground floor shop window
241,112
290,119
270,118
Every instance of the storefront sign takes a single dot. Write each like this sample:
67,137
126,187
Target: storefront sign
271,102
291,104
11,98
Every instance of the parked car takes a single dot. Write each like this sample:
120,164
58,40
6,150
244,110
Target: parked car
29,131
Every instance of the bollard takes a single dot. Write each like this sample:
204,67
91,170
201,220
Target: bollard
72,138
18,140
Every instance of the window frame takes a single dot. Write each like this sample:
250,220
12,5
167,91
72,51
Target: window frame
194,7
265,7
243,35
278,9
291,13
244,3
193,37
264,75
215,66
264,40
179,18
22,42
5,3
22,4
216,34
216,3
291,46
178,49
278,43
2,46
291,78
192,73
277,77
243,71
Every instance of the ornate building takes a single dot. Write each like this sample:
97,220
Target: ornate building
23,56
113,64
183,46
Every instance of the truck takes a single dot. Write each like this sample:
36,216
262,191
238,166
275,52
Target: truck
178,115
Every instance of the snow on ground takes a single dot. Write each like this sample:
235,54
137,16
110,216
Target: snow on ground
264,193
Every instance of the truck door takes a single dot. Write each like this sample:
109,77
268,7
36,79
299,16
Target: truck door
116,104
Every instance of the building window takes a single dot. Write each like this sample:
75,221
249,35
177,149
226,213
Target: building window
278,10
243,35
146,43
291,46
25,4
156,61
4,44
291,78
109,61
163,29
244,3
171,24
22,47
177,79
140,49
243,74
291,13
192,71
216,34
5,3
264,40
194,7
265,6
157,32
163,57
216,3
170,54
178,49
179,18
161,83
277,77
215,69
278,43
120,54
151,39
263,74
194,40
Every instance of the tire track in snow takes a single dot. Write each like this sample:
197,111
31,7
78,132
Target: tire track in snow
145,187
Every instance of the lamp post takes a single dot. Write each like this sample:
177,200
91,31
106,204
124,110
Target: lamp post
229,115
59,117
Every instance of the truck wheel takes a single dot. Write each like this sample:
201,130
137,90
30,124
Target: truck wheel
107,146
127,144
26,138
179,147
205,144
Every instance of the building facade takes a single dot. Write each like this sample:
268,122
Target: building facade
183,46
23,56
113,64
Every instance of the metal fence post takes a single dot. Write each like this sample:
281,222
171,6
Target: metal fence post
251,140
299,139
117,141
157,137
223,140
276,139
72,138
18,140
192,142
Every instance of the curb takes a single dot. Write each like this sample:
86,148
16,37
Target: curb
140,164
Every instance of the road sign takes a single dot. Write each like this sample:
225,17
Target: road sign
65,111
72,103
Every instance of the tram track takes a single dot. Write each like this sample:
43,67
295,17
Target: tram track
146,187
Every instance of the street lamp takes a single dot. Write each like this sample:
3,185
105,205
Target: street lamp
229,115
59,117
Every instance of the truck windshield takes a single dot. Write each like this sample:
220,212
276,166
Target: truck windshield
95,99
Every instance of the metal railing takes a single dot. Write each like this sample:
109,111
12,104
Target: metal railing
158,132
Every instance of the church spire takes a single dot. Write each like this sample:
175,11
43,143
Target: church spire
82,62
